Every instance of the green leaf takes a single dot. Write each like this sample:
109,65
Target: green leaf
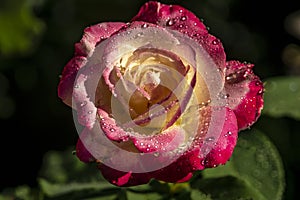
282,97
63,167
198,195
143,196
160,187
76,190
64,176
255,162
227,188
23,192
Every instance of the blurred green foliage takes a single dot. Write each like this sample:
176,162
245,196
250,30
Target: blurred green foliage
37,39
19,26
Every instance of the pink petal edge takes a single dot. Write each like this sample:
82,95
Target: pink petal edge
92,36
245,93
180,19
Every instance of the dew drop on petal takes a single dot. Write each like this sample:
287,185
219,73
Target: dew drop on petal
112,129
260,91
183,18
209,139
83,103
170,22
215,41
144,25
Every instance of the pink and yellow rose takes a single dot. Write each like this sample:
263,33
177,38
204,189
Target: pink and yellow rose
156,98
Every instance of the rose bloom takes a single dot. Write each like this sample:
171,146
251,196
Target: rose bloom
156,98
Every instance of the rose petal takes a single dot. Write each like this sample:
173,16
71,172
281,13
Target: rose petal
95,34
223,149
245,93
178,18
120,178
110,128
82,153
167,140
180,170
66,84
92,36
167,15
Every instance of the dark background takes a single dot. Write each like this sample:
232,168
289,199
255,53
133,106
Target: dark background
37,39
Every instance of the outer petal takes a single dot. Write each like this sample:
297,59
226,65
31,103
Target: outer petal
92,36
123,178
82,153
225,144
178,18
245,93
181,170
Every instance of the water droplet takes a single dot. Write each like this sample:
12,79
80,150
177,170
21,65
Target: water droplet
180,11
229,133
90,112
76,86
83,103
293,87
180,26
261,91
183,18
215,41
170,22
139,34
209,139
223,96
203,162
112,129
257,83
144,25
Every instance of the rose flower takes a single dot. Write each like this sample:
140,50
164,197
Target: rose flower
156,98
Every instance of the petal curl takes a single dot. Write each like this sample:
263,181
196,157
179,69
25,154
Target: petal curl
245,92
92,36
